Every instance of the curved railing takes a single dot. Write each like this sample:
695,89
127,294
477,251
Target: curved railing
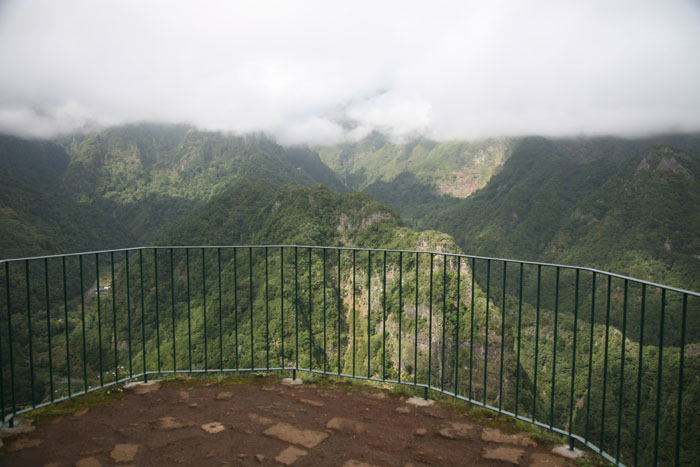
608,361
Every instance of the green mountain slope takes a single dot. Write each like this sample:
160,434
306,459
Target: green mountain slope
638,214
420,176
128,185
153,177
38,215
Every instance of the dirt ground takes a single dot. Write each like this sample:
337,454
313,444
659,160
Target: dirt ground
195,423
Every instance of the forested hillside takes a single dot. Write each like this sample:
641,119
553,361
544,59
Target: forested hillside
125,186
627,206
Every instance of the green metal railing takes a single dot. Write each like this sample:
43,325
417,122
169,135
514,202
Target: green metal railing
610,362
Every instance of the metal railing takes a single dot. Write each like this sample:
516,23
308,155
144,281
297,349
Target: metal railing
608,361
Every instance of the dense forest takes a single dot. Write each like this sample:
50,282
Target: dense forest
523,338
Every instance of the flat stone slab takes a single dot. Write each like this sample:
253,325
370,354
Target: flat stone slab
564,451
497,436
457,430
346,425
548,460
504,454
356,463
402,410
260,419
169,423
311,402
21,426
291,434
124,452
290,455
88,462
292,382
420,402
139,387
213,427
224,396
23,443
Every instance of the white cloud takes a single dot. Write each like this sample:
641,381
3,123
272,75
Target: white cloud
299,69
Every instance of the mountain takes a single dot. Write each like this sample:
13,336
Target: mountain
153,177
630,206
125,186
634,211
418,177
38,214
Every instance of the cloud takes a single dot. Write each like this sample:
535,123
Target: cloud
320,72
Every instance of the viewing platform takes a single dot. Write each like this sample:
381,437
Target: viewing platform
600,361
260,420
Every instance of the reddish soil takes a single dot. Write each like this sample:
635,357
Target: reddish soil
186,423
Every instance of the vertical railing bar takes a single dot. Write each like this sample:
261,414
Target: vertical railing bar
189,309
444,321
459,271
503,337
639,375
622,372
415,331
520,322
486,332
353,312
282,304
430,321
128,310
9,339
369,309
29,333
311,314
267,310
680,380
48,325
250,299
235,304
82,314
157,310
537,342
221,306
471,331
2,378
659,379
143,318
573,361
325,336
590,354
554,347
99,315
114,320
172,305
296,307
204,310
400,312
384,318
340,309
65,320
605,366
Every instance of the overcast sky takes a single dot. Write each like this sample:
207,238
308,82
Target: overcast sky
324,71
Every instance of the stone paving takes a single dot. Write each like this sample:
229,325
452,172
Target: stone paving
270,424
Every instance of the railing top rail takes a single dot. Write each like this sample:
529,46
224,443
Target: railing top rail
388,250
